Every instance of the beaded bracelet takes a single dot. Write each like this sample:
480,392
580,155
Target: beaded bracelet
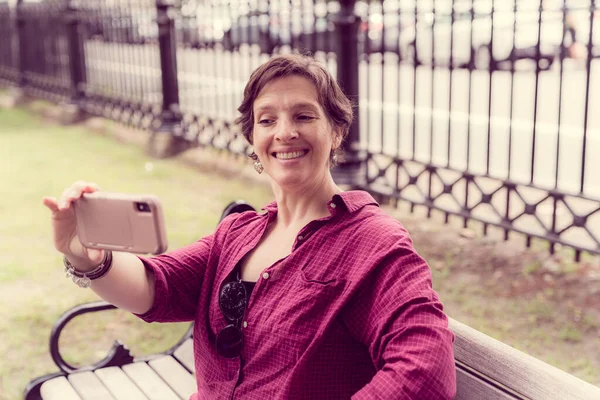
84,280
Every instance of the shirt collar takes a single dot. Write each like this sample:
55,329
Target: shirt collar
352,200
270,208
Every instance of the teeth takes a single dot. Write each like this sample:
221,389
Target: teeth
289,156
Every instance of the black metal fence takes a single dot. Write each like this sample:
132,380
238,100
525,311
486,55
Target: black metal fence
479,109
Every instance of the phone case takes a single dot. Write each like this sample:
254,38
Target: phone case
121,222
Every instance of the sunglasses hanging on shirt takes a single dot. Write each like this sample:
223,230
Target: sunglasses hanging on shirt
233,301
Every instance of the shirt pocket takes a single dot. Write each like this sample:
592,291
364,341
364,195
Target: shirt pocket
294,318
308,307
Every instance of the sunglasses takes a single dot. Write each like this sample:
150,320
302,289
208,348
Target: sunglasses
232,302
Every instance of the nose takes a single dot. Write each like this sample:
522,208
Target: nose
286,130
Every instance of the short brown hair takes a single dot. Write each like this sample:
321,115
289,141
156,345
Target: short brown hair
337,107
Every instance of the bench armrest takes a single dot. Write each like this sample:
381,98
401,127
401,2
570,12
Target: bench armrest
118,354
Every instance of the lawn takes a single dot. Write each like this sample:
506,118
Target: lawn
500,290
37,159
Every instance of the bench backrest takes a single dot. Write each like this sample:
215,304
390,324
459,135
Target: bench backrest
489,369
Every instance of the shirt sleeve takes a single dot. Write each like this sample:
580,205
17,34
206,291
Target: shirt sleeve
179,275
397,314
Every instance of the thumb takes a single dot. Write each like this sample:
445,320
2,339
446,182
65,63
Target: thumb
95,255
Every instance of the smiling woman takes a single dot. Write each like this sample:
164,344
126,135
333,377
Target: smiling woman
292,136
321,297
329,101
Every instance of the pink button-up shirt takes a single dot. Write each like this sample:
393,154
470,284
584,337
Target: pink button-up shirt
350,312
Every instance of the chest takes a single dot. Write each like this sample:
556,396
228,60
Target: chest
297,297
274,246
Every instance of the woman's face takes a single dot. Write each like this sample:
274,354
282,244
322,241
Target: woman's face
292,135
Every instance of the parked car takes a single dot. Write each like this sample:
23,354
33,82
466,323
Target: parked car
272,25
384,25
484,39
121,28
311,28
307,28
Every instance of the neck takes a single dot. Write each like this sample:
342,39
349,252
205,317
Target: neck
300,206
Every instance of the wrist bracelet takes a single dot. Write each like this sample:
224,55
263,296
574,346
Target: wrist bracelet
84,280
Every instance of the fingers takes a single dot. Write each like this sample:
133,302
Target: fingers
66,198
84,187
74,192
51,203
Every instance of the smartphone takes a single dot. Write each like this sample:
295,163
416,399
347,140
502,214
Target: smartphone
121,222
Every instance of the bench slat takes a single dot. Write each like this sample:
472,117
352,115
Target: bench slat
185,354
516,370
119,384
181,381
149,381
58,389
471,387
89,386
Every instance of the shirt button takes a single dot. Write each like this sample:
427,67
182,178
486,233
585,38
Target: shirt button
245,324
332,205
300,237
266,275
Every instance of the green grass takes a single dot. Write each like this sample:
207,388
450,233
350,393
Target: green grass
533,323
37,159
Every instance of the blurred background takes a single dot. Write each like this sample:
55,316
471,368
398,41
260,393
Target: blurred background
481,113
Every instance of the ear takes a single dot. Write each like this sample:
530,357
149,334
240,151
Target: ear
337,138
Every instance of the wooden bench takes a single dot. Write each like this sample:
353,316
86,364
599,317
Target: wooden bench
485,369
119,375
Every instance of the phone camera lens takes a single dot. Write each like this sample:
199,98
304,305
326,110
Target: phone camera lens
142,207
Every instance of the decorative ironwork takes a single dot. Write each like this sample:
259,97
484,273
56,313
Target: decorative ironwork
552,215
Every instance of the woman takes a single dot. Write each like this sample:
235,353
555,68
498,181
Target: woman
321,297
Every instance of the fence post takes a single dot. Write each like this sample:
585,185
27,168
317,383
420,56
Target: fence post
71,111
352,169
166,137
21,34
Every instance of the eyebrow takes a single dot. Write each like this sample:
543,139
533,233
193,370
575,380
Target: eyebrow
268,107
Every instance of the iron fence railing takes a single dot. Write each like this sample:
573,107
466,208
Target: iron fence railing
479,109
9,52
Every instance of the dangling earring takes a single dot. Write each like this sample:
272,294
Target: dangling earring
258,167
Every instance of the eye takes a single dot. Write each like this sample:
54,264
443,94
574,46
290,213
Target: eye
265,121
304,117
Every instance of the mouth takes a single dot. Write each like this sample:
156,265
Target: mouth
289,155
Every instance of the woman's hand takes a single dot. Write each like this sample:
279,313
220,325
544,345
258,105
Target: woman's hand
128,285
64,227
